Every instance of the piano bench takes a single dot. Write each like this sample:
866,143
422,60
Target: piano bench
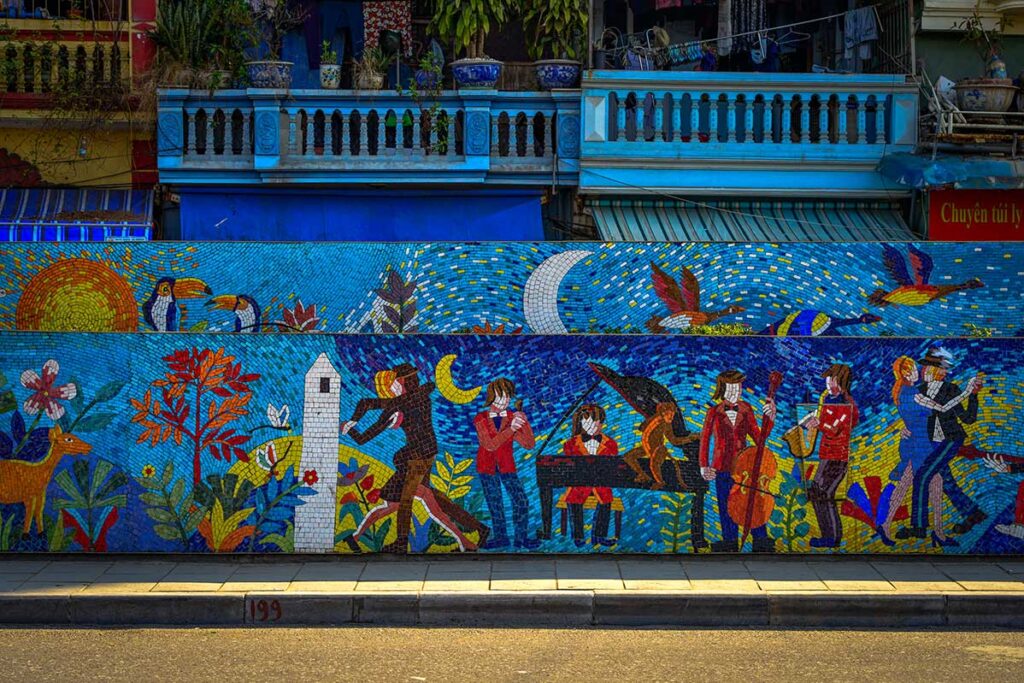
591,504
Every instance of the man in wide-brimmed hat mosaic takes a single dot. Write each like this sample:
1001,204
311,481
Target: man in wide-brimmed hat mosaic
405,404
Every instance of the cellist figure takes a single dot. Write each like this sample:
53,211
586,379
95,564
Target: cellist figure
727,427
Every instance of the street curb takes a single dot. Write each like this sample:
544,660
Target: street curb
520,609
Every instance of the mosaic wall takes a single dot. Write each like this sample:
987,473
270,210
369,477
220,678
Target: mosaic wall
353,443
864,289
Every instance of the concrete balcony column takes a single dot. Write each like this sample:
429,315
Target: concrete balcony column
476,128
170,134
268,131
567,109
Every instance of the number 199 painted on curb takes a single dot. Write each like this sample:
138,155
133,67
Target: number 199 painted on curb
264,610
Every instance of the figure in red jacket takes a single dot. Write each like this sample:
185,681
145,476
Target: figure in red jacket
729,427
835,421
588,439
497,429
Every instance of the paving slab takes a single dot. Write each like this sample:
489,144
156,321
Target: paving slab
72,571
22,566
330,571
974,576
315,586
187,586
788,576
851,576
915,577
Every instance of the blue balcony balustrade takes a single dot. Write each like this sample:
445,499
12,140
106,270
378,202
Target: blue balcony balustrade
723,133
337,136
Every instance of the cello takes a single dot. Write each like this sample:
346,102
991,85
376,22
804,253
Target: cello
750,500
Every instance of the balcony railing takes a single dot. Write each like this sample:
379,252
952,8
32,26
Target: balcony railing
699,130
327,136
46,67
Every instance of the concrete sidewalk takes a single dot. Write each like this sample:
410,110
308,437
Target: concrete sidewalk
515,591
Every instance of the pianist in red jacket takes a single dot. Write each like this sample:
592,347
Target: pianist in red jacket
588,439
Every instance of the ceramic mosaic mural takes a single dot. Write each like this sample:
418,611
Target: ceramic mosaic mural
863,289
430,444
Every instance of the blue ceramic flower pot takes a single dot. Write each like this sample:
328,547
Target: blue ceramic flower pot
476,73
557,73
266,74
426,80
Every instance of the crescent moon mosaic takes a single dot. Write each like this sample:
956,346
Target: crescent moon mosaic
446,385
540,295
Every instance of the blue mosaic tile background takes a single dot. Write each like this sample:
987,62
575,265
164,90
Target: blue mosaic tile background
116,497
543,288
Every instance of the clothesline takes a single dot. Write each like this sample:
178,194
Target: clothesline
792,25
782,26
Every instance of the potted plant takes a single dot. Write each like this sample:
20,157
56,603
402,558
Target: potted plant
428,76
186,38
465,24
273,19
369,70
995,92
557,28
330,71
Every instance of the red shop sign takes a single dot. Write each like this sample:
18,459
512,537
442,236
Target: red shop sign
976,215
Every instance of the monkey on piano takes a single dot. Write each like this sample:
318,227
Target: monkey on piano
654,433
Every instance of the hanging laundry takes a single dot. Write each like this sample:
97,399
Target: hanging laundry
861,31
725,27
749,17
385,15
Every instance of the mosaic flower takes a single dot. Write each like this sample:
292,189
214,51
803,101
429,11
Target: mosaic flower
148,471
367,483
373,496
278,418
310,477
349,497
351,472
303,319
46,396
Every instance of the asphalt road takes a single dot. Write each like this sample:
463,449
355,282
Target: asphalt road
398,654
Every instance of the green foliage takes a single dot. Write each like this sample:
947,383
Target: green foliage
285,542
8,533
232,492
274,19
978,331
196,37
327,54
675,532
176,515
83,421
465,24
791,516
58,538
986,41
373,62
557,28
720,330
449,480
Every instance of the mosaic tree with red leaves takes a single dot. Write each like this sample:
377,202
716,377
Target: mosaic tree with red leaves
188,405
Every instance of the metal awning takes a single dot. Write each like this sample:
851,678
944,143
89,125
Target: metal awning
677,221
948,170
75,215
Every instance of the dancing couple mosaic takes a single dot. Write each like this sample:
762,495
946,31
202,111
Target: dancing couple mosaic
463,443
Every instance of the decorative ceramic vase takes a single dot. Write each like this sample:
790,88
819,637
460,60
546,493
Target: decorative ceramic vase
996,68
985,94
426,80
369,80
330,76
557,73
269,74
476,73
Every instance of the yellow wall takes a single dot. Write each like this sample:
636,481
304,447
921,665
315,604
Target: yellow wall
56,153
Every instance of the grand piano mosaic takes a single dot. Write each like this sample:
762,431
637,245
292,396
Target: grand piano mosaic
432,444
863,289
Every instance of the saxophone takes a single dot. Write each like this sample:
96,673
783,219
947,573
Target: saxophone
800,439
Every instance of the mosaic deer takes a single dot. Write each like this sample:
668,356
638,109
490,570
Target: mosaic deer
26,482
